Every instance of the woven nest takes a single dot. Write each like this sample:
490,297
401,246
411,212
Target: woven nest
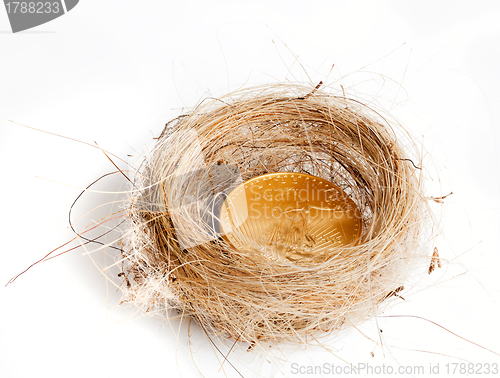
177,259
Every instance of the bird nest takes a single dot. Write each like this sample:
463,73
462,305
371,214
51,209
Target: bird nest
177,257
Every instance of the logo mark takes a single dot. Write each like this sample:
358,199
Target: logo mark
28,14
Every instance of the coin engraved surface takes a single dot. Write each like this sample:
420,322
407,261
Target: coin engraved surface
292,216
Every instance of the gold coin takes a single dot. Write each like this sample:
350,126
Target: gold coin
292,216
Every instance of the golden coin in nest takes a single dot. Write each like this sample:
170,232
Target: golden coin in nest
292,216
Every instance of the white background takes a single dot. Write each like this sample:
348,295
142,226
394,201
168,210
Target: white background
115,72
